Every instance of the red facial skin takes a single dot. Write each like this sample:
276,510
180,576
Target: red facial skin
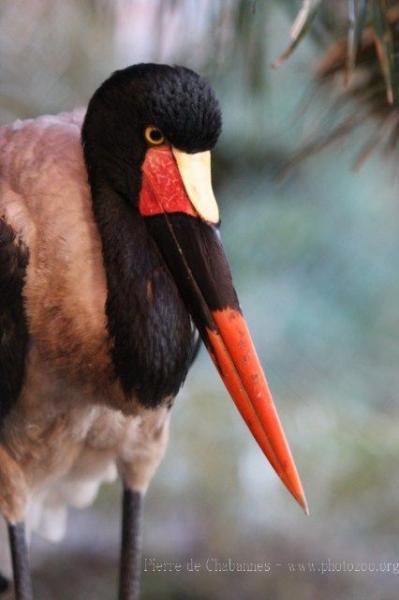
162,189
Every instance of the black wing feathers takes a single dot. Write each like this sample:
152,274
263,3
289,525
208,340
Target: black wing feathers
13,328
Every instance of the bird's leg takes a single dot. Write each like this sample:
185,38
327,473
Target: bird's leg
20,561
140,455
130,558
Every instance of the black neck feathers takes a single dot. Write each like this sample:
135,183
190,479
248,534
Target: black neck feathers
14,259
148,323
151,331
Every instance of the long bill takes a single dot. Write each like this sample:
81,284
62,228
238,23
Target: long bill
191,246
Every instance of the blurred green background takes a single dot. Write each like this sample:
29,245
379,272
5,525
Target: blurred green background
314,254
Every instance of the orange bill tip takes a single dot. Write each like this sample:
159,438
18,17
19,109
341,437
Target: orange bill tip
234,354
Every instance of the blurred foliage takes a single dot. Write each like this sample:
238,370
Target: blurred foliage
360,13
359,74
314,258
359,102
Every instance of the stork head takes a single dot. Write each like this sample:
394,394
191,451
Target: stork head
157,127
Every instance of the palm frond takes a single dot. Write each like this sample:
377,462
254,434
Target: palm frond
357,12
361,99
300,27
361,15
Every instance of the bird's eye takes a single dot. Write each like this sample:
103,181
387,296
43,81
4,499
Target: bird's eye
154,136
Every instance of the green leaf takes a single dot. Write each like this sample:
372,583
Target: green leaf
299,28
384,44
357,12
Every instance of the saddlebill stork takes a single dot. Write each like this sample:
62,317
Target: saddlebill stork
111,262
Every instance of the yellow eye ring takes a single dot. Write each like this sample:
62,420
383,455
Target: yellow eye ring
154,136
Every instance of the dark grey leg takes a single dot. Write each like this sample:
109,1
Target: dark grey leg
130,559
20,562
4,584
